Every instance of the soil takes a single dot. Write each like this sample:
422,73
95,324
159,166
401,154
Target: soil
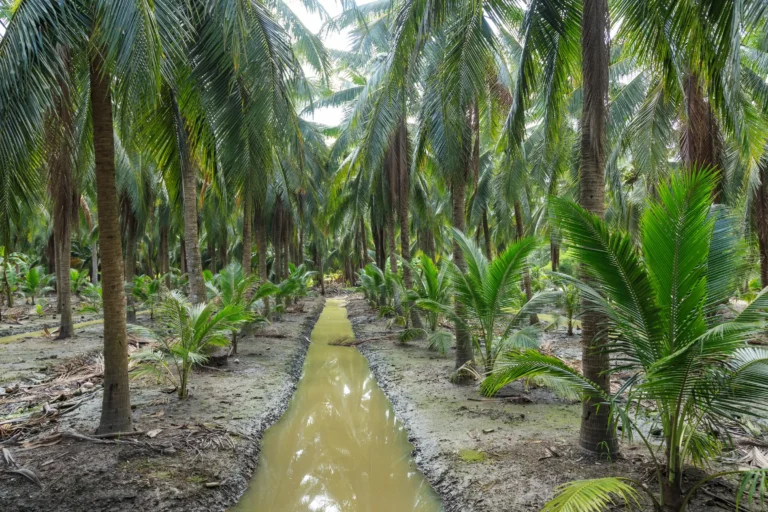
191,455
480,455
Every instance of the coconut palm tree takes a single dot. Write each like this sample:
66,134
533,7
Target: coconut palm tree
124,40
662,308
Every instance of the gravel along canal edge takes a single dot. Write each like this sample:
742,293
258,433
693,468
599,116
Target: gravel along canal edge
209,444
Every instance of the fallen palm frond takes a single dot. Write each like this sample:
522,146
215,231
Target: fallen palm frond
28,410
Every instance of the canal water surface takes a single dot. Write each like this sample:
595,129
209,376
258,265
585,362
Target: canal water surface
339,446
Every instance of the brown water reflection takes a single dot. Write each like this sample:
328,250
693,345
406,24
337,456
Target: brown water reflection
339,446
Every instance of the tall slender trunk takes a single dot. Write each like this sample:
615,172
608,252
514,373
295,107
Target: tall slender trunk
61,187
95,262
487,235
63,286
403,202
520,230
130,260
277,236
261,248
50,254
761,221
182,255
163,257
364,240
597,432
189,192
130,245
463,342
554,253
116,399
211,253
222,256
321,270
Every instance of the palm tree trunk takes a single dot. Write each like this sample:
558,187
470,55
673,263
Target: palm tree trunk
458,197
554,253
66,325
95,262
520,231
222,256
61,186
163,257
761,221
403,202
50,254
261,248
189,192
364,241
130,260
487,235
597,432
211,253
182,255
116,400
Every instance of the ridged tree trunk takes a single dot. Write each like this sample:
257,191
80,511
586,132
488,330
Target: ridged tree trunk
403,203
761,221
163,263
597,432
464,351
364,240
182,255
50,255
211,253
261,248
189,192
61,185
130,259
487,235
554,253
520,231
116,400
95,262
222,256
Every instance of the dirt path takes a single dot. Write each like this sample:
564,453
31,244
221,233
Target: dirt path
484,455
201,452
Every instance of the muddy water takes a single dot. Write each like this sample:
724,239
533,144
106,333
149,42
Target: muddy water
338,447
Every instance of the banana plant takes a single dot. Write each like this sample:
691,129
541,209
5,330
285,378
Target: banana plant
666,318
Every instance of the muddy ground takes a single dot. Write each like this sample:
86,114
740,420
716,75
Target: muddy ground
193,455
481,455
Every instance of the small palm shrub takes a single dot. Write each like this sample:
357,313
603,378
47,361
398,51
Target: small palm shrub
571,300
431,294
294,286
490,291
79,281
92,299
36,283
377,285
663,307
231,287
188,333
146,291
